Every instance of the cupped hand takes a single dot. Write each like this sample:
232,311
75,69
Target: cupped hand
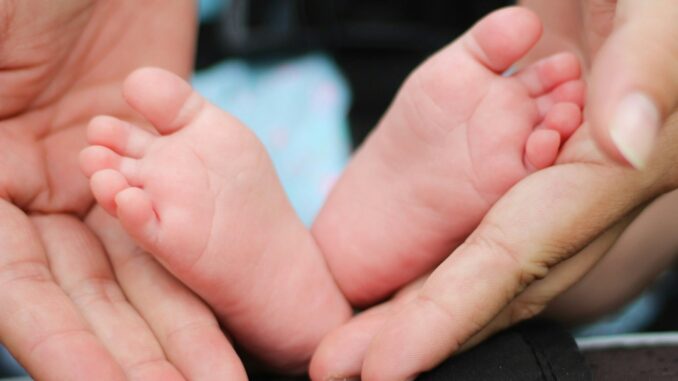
61,63
553,227
67,312
536,242
75,307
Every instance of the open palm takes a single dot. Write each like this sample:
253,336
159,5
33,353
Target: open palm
74,306
63,63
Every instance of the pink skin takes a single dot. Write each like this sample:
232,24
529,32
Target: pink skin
457,137
199,193
202,196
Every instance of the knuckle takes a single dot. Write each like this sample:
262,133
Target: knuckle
94,290
430,303
491,238
513,255
523,310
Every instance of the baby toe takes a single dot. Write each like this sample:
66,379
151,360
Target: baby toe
503,37
549,73
137,215
563,117
162,97
541,149
97,158
119,136
568,92
105,185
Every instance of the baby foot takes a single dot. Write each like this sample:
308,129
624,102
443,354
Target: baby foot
456,138
200,194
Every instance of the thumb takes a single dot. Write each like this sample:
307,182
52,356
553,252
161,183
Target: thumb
634,80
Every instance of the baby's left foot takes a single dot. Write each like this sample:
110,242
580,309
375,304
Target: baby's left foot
202,196
456,138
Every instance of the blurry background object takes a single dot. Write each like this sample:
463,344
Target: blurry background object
375,42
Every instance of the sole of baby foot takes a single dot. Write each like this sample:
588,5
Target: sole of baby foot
199,192
458,135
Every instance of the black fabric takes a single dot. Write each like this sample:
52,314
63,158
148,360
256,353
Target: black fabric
536,350
641,363
531,351
667,317
251,27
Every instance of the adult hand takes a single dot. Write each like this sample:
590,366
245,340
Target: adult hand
523,254
632,46
521,257
63,63
70,314
65,313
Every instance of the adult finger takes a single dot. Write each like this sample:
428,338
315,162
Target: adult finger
561,277
340,355
185,327
542,221
81,269
39,324
634,80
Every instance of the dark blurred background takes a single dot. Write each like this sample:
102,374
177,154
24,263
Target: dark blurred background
375,42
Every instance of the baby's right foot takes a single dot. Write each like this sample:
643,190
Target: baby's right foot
202,196
457,137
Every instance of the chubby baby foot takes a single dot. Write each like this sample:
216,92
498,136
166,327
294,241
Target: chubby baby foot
458,135
200,193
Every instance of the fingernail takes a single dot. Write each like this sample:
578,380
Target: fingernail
635,127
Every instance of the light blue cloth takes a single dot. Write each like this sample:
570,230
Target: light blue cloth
632,318
299,110
209,9
637,315
8,365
